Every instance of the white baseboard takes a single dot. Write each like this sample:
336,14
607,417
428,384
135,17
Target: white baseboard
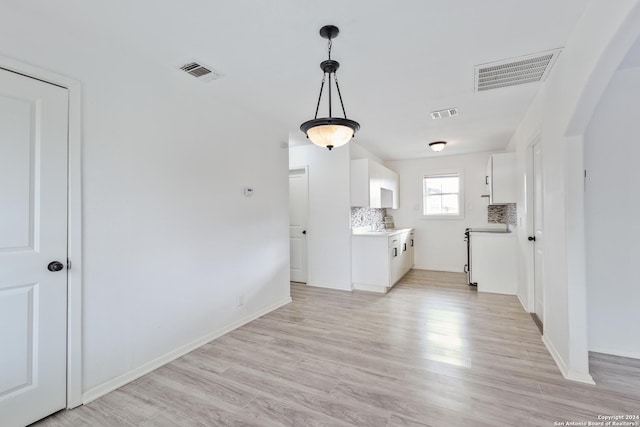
421,267
615,352
581,377
523,304
136,373
381,289
578,376
339,288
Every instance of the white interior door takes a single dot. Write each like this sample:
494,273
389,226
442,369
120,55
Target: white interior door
538,260
33,233
298,205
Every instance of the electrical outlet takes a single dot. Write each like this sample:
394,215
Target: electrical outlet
240,300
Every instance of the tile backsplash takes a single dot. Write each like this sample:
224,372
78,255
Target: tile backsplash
502,214
363,217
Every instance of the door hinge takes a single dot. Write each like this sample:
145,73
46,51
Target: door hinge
585,180
68,264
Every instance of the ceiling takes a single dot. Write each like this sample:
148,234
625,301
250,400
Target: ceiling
399,60
632,58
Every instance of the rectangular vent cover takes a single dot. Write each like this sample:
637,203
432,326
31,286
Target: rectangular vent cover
440,114
200,71
512,72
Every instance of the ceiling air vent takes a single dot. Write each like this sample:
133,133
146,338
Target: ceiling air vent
512,72
449,112
200,71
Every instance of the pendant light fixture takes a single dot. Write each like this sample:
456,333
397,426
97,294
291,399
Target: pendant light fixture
330,131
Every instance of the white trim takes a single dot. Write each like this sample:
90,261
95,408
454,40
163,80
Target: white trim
427,268
136,373
556,356
74,221
523,304
381,289
336,287
461,188
306,244
536,138
614,352
578,376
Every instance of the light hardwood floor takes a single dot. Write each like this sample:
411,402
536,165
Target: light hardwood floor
431,352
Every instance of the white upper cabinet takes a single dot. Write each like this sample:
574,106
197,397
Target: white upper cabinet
502,179
373,185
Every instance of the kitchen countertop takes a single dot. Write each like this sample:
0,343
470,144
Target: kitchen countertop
386,233
488,230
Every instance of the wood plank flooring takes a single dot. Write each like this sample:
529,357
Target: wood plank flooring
432,352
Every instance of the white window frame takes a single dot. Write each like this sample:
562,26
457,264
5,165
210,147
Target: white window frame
436,173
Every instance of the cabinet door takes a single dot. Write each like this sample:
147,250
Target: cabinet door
412,251
487,177
395,254
360,183
389,188
386,187
503,178
406,249
395,187
375,181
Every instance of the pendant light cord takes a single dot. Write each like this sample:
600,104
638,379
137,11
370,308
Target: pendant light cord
329,46
319,97
335,77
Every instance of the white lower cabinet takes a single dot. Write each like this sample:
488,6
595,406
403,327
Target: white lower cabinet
494,263
379,260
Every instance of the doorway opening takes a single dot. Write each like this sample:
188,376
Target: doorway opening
536,235
72,223
298,217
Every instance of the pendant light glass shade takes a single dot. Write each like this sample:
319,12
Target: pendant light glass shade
330,131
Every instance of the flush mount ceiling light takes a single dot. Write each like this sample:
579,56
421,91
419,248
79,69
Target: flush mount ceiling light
330,131
437,146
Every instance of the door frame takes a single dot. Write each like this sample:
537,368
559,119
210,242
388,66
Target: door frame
74,220
535,139
306,245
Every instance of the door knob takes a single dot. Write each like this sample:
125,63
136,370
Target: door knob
55,266
304,231
532,238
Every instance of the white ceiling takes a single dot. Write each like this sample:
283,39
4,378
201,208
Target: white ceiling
399,60
632,58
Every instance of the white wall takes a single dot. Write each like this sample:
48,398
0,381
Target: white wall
559,114
169,240
329,226
612,210
359,152
440,243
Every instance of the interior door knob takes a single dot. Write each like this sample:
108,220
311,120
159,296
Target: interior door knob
532,238
304,231
55,266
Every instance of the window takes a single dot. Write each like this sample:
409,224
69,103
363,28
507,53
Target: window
442,195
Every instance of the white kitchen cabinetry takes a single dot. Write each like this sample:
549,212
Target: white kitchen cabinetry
373,185
494,263
502,179
380,259
406,246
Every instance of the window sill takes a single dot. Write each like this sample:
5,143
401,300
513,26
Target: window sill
445,217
